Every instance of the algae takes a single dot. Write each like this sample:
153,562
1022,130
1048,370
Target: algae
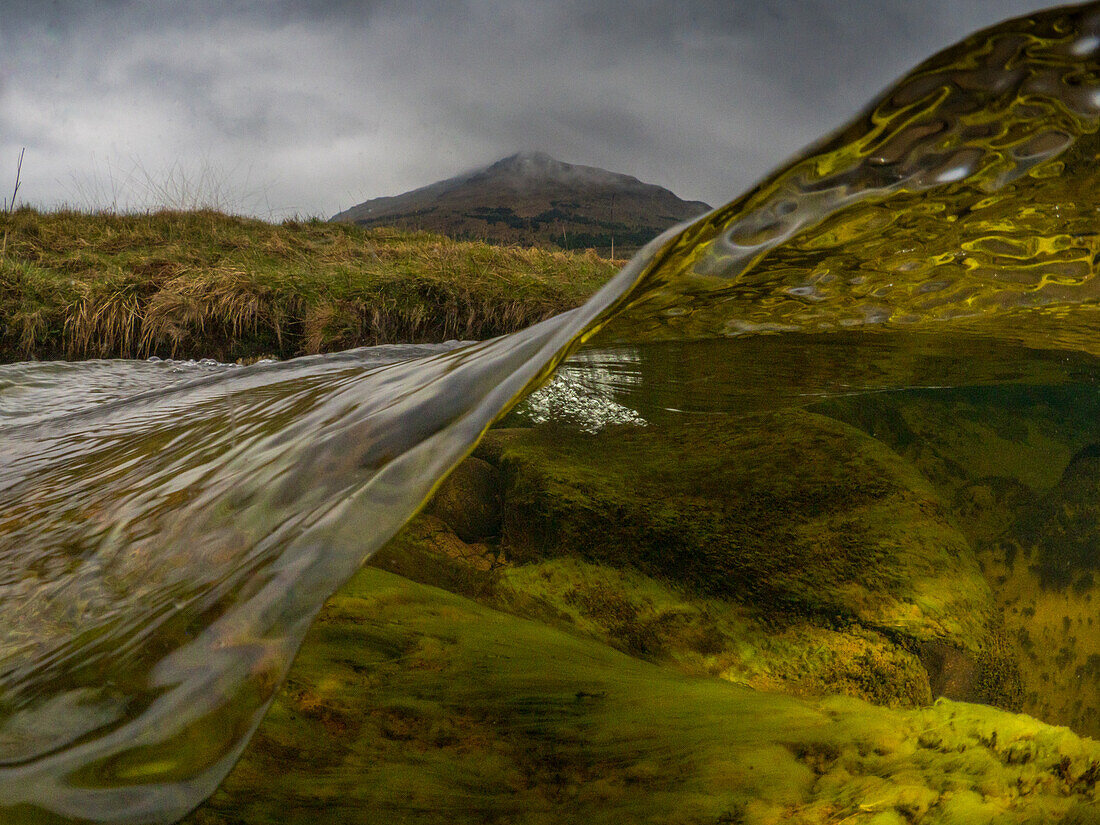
410,704
611,576
713,637
1018,467
1027,433
791,510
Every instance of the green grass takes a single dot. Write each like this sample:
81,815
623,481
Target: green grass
203,284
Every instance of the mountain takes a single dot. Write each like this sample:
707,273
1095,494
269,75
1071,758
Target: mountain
532,199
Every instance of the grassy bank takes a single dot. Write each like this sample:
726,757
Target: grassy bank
204,284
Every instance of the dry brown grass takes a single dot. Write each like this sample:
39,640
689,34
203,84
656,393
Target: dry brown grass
203,284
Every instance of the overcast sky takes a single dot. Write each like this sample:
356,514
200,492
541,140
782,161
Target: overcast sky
283,107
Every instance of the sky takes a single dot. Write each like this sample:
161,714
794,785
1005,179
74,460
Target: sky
281,108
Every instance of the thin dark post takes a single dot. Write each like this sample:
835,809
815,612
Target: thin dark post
18,172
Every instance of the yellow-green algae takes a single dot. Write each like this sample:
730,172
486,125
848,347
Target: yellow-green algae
411,704
793,510
714,637
1018,467
655,620
600,564
590,560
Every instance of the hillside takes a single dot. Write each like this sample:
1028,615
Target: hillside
204,284
532,199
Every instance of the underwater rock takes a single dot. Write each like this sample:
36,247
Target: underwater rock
712,637
640,616
986,507
793,512
469,500
427,550
1065,527
420,706
1020,468
1042,565
455,542
957,437
991,676
886,635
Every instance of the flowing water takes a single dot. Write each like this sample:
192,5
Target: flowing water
858,405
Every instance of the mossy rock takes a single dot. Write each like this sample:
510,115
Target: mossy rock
468,500
408,704
792,512
1055,633
427,550
640,616
955,437
713,637
1064,526
800,652
1020,467
1038,551
987,507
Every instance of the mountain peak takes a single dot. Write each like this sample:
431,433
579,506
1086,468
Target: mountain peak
528,159
526,166
529,198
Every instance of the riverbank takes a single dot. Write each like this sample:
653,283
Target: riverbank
204,284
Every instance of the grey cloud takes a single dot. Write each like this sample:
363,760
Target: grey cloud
329,103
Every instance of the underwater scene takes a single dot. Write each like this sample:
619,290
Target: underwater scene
796,520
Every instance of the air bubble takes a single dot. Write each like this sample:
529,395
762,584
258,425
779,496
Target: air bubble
1086,45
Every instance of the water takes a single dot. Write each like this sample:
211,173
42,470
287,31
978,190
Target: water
837,437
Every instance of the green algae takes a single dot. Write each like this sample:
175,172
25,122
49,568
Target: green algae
955,437
713,637
620,587
647,618
1018,470
410,704
793,510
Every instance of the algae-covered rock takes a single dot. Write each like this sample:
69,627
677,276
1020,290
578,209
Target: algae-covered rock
1047,566
958,436
851,582
1020,469
413,705
1064,526
793,512
637,614
1055,630
468,500
454,542
427,550
714,637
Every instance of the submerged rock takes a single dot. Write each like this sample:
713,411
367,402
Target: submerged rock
1043,565
786,552
1020,467
1065,526
468,500
420,706
794,513
960,436
714,637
